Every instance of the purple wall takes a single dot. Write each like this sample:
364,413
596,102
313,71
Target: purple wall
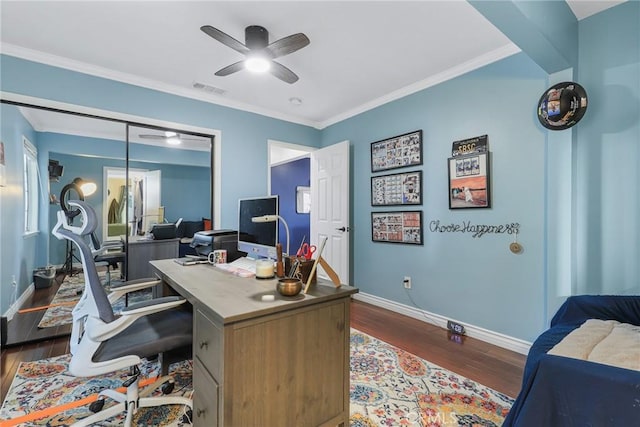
284,180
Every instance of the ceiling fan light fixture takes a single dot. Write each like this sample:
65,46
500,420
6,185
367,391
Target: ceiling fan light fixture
257,64
174,140
170,134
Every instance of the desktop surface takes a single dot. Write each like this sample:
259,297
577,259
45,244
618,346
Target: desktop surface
232,298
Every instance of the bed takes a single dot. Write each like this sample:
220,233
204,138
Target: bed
563,391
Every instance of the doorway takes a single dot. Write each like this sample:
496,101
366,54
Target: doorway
137,199
327,170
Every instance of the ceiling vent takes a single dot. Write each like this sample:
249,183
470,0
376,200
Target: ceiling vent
208,88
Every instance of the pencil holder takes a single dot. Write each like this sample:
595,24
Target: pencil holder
305,269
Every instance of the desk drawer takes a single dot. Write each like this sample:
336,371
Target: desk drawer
205,397
208,344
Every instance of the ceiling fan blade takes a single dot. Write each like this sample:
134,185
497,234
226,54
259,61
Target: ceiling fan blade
288,45
230,69
283,73
146,136
225,39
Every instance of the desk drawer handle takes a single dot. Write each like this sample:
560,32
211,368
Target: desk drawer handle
200,412
204,344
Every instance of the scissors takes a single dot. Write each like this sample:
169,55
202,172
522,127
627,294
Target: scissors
306,251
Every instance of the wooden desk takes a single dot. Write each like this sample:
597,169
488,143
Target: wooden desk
141,250
264,363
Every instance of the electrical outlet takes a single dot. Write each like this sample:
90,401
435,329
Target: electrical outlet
454,327
407,282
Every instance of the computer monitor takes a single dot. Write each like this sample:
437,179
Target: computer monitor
257,239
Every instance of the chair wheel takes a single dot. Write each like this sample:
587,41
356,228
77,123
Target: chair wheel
167,387
96,406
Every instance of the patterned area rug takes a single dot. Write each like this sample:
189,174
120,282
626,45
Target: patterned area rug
391,387
70,292
47,383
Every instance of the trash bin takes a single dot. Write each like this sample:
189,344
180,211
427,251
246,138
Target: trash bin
43,277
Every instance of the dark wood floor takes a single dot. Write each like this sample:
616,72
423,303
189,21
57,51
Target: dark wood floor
492,366
487,364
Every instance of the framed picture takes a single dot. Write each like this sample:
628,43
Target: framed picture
469,184
397,227
397,152
303,199
397,189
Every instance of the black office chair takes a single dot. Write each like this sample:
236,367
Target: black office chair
101,342
111,253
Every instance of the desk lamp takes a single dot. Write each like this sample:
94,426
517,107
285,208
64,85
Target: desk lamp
273,218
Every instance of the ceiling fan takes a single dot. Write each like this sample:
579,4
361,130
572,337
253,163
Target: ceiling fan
259,53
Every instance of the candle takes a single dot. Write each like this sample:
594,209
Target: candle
264,268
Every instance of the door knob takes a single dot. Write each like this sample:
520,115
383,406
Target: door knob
343,229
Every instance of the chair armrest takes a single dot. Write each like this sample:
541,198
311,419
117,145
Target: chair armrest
100,331
577,309
120,289
137,307
111,247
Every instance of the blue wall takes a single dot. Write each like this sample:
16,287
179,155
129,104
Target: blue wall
284,180
18,254
474,280
607,154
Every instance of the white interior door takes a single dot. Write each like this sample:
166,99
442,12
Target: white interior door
330,206
152,202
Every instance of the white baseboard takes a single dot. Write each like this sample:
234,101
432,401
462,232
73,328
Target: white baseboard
491,337
16,305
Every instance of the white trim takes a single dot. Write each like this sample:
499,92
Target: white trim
16,305
74,108
108,114
82,67
292,159
217,180
491,337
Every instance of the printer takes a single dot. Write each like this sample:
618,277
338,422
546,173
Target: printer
210,240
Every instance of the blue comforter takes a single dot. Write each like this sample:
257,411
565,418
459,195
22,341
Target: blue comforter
559,391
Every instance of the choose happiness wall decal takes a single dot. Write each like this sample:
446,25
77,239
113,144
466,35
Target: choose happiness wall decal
476,230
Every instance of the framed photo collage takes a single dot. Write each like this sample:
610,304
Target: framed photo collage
397,189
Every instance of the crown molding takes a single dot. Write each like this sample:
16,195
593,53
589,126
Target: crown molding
82,67
473,64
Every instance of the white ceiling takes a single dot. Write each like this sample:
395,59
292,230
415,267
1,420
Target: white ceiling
362,53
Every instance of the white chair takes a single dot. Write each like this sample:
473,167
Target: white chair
102,342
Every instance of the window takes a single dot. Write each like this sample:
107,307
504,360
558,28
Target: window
30,187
